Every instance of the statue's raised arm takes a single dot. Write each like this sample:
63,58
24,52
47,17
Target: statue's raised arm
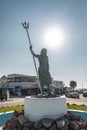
37,56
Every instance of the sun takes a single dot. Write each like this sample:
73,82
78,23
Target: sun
54,37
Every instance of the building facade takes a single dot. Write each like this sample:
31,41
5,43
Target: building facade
19,84
57,86
23,84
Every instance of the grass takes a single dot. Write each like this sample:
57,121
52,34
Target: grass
12,108
77,107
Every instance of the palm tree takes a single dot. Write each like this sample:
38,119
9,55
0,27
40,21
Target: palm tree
73,84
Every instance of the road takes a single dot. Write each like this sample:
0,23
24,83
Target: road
79,101
20,101
12,102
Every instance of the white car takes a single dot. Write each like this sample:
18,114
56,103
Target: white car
84,93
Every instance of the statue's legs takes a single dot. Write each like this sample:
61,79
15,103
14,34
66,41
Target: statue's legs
45,80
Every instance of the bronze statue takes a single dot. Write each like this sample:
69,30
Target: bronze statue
43,70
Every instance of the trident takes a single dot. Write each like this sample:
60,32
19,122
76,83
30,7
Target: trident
26,27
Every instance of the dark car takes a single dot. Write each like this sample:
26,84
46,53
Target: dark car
84,93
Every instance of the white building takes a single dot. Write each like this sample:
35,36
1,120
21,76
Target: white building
57,86
23,84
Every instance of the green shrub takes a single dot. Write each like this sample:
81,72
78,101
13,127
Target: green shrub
11,108
77,107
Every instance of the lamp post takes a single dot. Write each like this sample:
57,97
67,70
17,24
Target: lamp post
82,85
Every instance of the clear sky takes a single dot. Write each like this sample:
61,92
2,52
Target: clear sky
68,62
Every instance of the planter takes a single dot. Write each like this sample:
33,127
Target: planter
38,108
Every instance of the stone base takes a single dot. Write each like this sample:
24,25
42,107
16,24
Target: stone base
69,121
38,108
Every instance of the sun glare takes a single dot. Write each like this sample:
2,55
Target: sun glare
54,37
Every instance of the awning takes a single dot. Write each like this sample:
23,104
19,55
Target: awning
3,87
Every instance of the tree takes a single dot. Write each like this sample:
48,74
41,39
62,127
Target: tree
73,84
4,76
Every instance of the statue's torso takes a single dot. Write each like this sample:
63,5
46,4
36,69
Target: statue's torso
43,61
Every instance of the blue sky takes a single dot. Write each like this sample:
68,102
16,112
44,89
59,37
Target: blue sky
66,63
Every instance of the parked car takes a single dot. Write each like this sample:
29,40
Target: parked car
84,93
72,95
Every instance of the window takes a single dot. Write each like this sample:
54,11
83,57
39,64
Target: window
17,88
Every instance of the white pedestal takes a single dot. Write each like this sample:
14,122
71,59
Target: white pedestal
38,108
